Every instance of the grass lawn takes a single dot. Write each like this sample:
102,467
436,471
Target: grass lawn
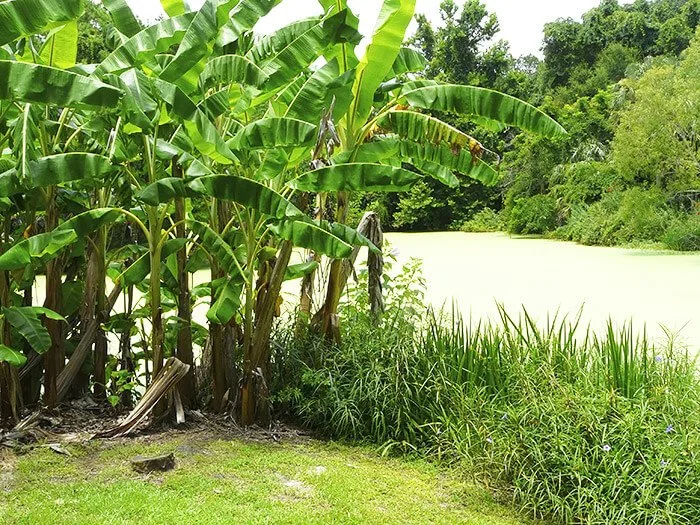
233,481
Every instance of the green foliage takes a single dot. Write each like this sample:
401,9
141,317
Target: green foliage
631,217
486,220
581,427
537,214
656,141
683,234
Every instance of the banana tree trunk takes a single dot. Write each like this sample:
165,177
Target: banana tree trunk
94,305
126,357
371,227
155,299
184,350
10,389
31,373
327,322
217,332
54,359
306,298
87,339
255,405
326,319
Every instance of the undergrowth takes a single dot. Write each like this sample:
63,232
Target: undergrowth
579,427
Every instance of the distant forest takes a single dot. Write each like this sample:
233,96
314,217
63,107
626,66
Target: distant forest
624,81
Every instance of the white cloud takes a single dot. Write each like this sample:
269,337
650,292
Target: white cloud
521,22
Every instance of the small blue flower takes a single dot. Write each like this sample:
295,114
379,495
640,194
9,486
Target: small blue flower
670,429
607,448
659,359
664,463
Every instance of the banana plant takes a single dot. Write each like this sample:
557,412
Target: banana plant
213,139
393,119
46,110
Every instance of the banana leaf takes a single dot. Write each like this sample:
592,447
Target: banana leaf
25,82
485,103
20,18
356,177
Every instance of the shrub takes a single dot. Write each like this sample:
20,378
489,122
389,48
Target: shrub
632,216
487,220
594,225
683,234
536,215
583,182
643,216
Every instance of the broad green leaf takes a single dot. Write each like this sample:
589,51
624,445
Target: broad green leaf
297,271
382,151
27,17
10,183
25,82
408,61
124,20
232,69
379,57
356,177
165,190
227,301
217,248
485,103
197,44
313,236
274,132
39,248
318,91
174,7
58,169
27,322
146,44
12,356
461,161
203,133
426,129
270,45
349,235
87,222
61,48
344,52
304,50
138,103
139,270
247,193
436,171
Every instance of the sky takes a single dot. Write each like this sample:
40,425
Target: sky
521,22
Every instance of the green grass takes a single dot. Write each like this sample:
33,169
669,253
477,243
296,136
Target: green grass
222,481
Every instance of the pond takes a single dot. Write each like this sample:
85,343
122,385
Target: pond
653,288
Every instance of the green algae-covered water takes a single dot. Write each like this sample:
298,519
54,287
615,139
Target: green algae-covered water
656,288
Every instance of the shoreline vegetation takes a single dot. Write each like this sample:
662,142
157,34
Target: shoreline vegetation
578,427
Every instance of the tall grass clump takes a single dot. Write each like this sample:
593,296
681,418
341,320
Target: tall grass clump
578,427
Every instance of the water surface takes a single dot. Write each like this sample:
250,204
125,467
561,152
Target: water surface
479,269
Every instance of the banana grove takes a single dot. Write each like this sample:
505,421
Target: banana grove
199,144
